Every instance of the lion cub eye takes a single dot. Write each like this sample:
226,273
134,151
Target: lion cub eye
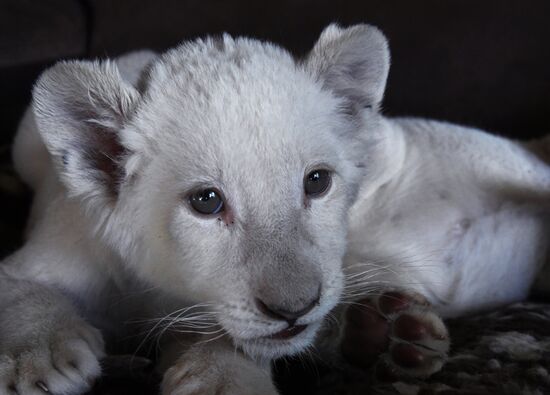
317,182
207,202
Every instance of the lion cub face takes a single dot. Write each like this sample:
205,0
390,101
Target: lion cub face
226,178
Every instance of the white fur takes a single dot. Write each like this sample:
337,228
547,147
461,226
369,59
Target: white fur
462,217
451,212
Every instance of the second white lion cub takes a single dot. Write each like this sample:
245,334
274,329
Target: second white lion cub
238,194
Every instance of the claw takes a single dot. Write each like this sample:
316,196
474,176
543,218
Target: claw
385,373
42,386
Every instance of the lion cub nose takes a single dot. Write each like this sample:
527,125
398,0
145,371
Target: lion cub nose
285,314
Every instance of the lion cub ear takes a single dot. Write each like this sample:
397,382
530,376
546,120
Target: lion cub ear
81,109
353,63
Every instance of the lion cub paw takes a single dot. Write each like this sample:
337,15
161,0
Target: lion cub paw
63,362
216,374
398,333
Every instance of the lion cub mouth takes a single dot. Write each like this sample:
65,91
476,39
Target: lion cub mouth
288,333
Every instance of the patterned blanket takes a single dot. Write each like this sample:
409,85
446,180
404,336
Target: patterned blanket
501,352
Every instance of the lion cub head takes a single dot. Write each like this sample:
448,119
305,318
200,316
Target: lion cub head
226,175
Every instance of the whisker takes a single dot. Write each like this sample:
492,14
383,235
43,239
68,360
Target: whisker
196,322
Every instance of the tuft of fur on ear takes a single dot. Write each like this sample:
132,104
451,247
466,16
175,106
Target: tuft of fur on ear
353,63
80,109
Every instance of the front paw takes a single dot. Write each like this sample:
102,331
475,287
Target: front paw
225,374
63,361
399,333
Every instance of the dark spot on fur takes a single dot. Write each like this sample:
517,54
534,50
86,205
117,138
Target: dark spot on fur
465,223
396,219
144,79
12,388
221,389
218,43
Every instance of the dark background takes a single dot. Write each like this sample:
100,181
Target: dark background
483,63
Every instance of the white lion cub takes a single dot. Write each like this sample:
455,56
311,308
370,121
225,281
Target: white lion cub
215,185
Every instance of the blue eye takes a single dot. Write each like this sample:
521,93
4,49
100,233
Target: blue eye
207,202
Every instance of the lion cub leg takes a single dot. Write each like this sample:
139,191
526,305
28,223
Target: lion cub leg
45,347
